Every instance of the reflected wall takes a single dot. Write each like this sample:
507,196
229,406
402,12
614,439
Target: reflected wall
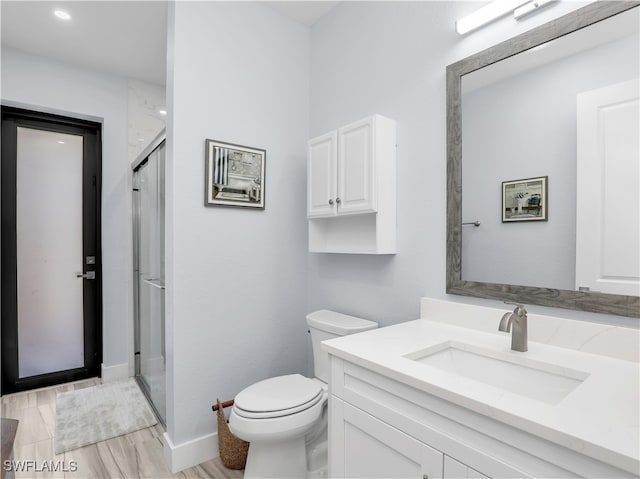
520,127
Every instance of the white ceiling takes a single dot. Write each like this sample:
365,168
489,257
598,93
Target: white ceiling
126,38
306,12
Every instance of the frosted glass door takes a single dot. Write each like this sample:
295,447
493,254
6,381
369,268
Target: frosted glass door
49,251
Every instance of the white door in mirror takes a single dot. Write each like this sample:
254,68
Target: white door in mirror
608,190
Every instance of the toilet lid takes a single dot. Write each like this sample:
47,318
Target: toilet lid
278,396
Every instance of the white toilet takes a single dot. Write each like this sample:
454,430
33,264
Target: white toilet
285,418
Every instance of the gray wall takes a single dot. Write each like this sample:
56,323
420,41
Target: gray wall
387,58
390,58
524,127
41,84
239,282
238,72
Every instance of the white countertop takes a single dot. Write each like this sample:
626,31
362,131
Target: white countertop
600,418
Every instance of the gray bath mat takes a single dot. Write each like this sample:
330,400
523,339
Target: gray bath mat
98,413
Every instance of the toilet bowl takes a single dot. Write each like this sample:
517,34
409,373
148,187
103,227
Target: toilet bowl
284,418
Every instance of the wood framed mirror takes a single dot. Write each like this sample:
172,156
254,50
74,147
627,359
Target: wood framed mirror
537,281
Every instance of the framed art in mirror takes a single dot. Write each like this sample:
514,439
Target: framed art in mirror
525,200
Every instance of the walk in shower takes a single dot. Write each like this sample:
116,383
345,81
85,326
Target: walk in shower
148,268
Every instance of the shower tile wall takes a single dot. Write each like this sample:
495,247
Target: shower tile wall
145,122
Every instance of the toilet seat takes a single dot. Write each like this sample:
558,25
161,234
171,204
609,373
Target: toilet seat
286,418
278,397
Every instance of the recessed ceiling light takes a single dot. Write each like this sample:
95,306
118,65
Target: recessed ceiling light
140,139
162,112
62,14
61,142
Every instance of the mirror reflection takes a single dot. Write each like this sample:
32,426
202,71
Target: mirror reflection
566,111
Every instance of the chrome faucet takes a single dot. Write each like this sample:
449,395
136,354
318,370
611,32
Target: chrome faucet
516,322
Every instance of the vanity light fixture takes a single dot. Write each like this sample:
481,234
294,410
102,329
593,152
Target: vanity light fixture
62,15
527,8
486,14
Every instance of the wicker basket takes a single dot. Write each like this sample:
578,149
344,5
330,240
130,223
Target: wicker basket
233,450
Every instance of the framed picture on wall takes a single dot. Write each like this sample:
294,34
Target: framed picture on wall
525,200
234,175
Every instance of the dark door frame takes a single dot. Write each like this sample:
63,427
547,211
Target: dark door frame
12,118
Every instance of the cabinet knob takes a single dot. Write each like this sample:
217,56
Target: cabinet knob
338,200
331,202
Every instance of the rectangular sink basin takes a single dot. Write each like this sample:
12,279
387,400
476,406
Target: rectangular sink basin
546,382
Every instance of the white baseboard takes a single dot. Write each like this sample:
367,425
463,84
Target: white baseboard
190,453
117,372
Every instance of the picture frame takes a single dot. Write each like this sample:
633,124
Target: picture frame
234,175
525,200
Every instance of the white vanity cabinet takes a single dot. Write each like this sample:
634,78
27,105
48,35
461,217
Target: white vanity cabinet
351,188
379,427
456,470
374,449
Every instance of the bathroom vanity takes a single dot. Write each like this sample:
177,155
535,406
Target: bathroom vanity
424,399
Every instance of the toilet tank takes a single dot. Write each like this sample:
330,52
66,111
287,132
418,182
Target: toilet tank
325,324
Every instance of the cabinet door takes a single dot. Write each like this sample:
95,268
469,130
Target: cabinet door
456,470
321,176
356,168
373,449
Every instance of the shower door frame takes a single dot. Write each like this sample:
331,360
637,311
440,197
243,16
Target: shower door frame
140,162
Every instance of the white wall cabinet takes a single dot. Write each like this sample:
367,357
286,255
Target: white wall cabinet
351,188
322,186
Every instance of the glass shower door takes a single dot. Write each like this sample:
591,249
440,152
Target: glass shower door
149,276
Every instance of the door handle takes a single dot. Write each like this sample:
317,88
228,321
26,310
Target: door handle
87,275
